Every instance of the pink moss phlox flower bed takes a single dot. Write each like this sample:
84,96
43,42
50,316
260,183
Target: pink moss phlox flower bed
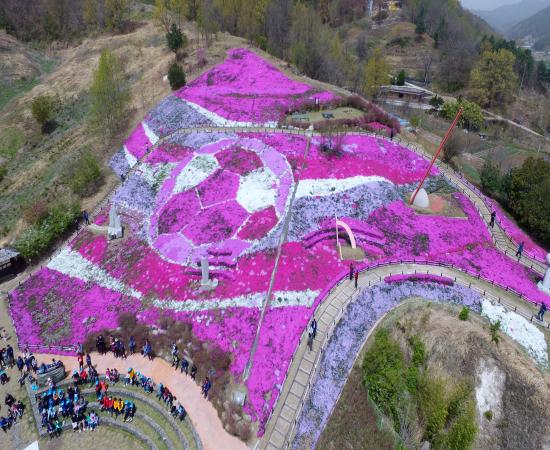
225,196
246,88
517,234
377,126
420,277
367,156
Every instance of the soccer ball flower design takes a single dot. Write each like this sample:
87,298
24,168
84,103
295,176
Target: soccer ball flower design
218,200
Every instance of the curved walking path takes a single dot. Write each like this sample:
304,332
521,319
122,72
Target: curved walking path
304,364
201,412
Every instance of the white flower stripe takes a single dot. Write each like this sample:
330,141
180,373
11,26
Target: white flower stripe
279,299
519,329
221,121
73,264
153,138
130,159
330,186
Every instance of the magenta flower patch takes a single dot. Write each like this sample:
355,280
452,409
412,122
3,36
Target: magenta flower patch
259,224
239,160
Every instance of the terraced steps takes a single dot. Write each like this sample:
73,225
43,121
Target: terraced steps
142,422
177,431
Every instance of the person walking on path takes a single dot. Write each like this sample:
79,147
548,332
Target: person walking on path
356,279
493,217
132,345
185,366
310,339
520,250
193,372
5,335
541,312
351,270
314,327
206,387
86,217
88,360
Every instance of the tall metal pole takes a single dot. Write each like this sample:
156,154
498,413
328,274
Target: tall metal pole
441,145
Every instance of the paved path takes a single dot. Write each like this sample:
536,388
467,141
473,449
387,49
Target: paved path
303,367
202,414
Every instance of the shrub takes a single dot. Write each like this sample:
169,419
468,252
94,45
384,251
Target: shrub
401,76
488,415
455,146
176,76
384,372
42,110
201,57
3,172
39,238
86,176
261,42
418,351
436,101
494,328
464,313
462,433
432,405
36,213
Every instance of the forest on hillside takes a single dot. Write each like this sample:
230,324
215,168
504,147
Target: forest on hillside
311,34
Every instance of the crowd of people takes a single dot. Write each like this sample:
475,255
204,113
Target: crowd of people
16,408
56,406
26,363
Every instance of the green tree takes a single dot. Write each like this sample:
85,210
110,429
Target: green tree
491,179
175,38
42,110
115,11
162,15
493,80
109,94
401,77
176,76
472,116
529,196
376,74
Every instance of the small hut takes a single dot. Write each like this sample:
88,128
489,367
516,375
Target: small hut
11,263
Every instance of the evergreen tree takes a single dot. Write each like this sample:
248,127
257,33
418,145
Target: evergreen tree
176,76
175,38
491,180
